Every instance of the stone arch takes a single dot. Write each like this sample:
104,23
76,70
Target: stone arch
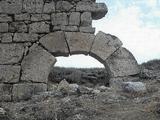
105,48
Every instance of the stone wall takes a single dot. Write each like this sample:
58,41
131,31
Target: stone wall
34,32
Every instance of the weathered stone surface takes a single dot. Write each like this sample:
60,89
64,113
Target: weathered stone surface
79,43
26,90
74,18
5,18
17,27
11,53
3,27
49,7
6,37
55,43
5,92
22,17
86,19
9,73
59,19
98,10
134,87
104,45
10,6
122,63
87,30
39,27
24,37
63,6
40,17
36,65
69,28
33,6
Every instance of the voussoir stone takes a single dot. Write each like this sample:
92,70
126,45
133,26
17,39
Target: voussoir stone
9,73
11,53
122,63
104,45
25,37
24,91
36,65
55,42
79,43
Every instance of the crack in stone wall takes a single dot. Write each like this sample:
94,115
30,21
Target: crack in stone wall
34,32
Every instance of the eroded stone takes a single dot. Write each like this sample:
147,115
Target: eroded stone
5,92
59,19
104,45
11,53
39,27
55,43
36,65
24,91
122,63
79,43
25,37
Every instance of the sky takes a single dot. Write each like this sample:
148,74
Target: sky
135,22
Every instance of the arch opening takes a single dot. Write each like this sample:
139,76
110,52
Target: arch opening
79,69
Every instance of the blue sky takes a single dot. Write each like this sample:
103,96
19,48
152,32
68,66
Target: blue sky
135,22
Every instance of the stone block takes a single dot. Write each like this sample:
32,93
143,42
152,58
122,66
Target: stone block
55,43
33,6
24,91
5,18
87,30
36,65
104,45
11,53
49,7
79,43
63,6
39,27
25,37
6,37
122,63
9,73
98,10
11,6
74,18
22,17
3,27
18,27
69,28
86,19
40,17
59,19
5,92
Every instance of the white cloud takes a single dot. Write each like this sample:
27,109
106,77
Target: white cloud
142,41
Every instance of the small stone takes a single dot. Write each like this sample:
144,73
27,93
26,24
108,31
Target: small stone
5,18
9,73
86,19
49,7
22,17
25,37
17,27
74,18
59,19
11,53
33,6
69,28
39,27
2,111
87,30
5,92
96,91
63,6
3,27
40,17
6,37
133,87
